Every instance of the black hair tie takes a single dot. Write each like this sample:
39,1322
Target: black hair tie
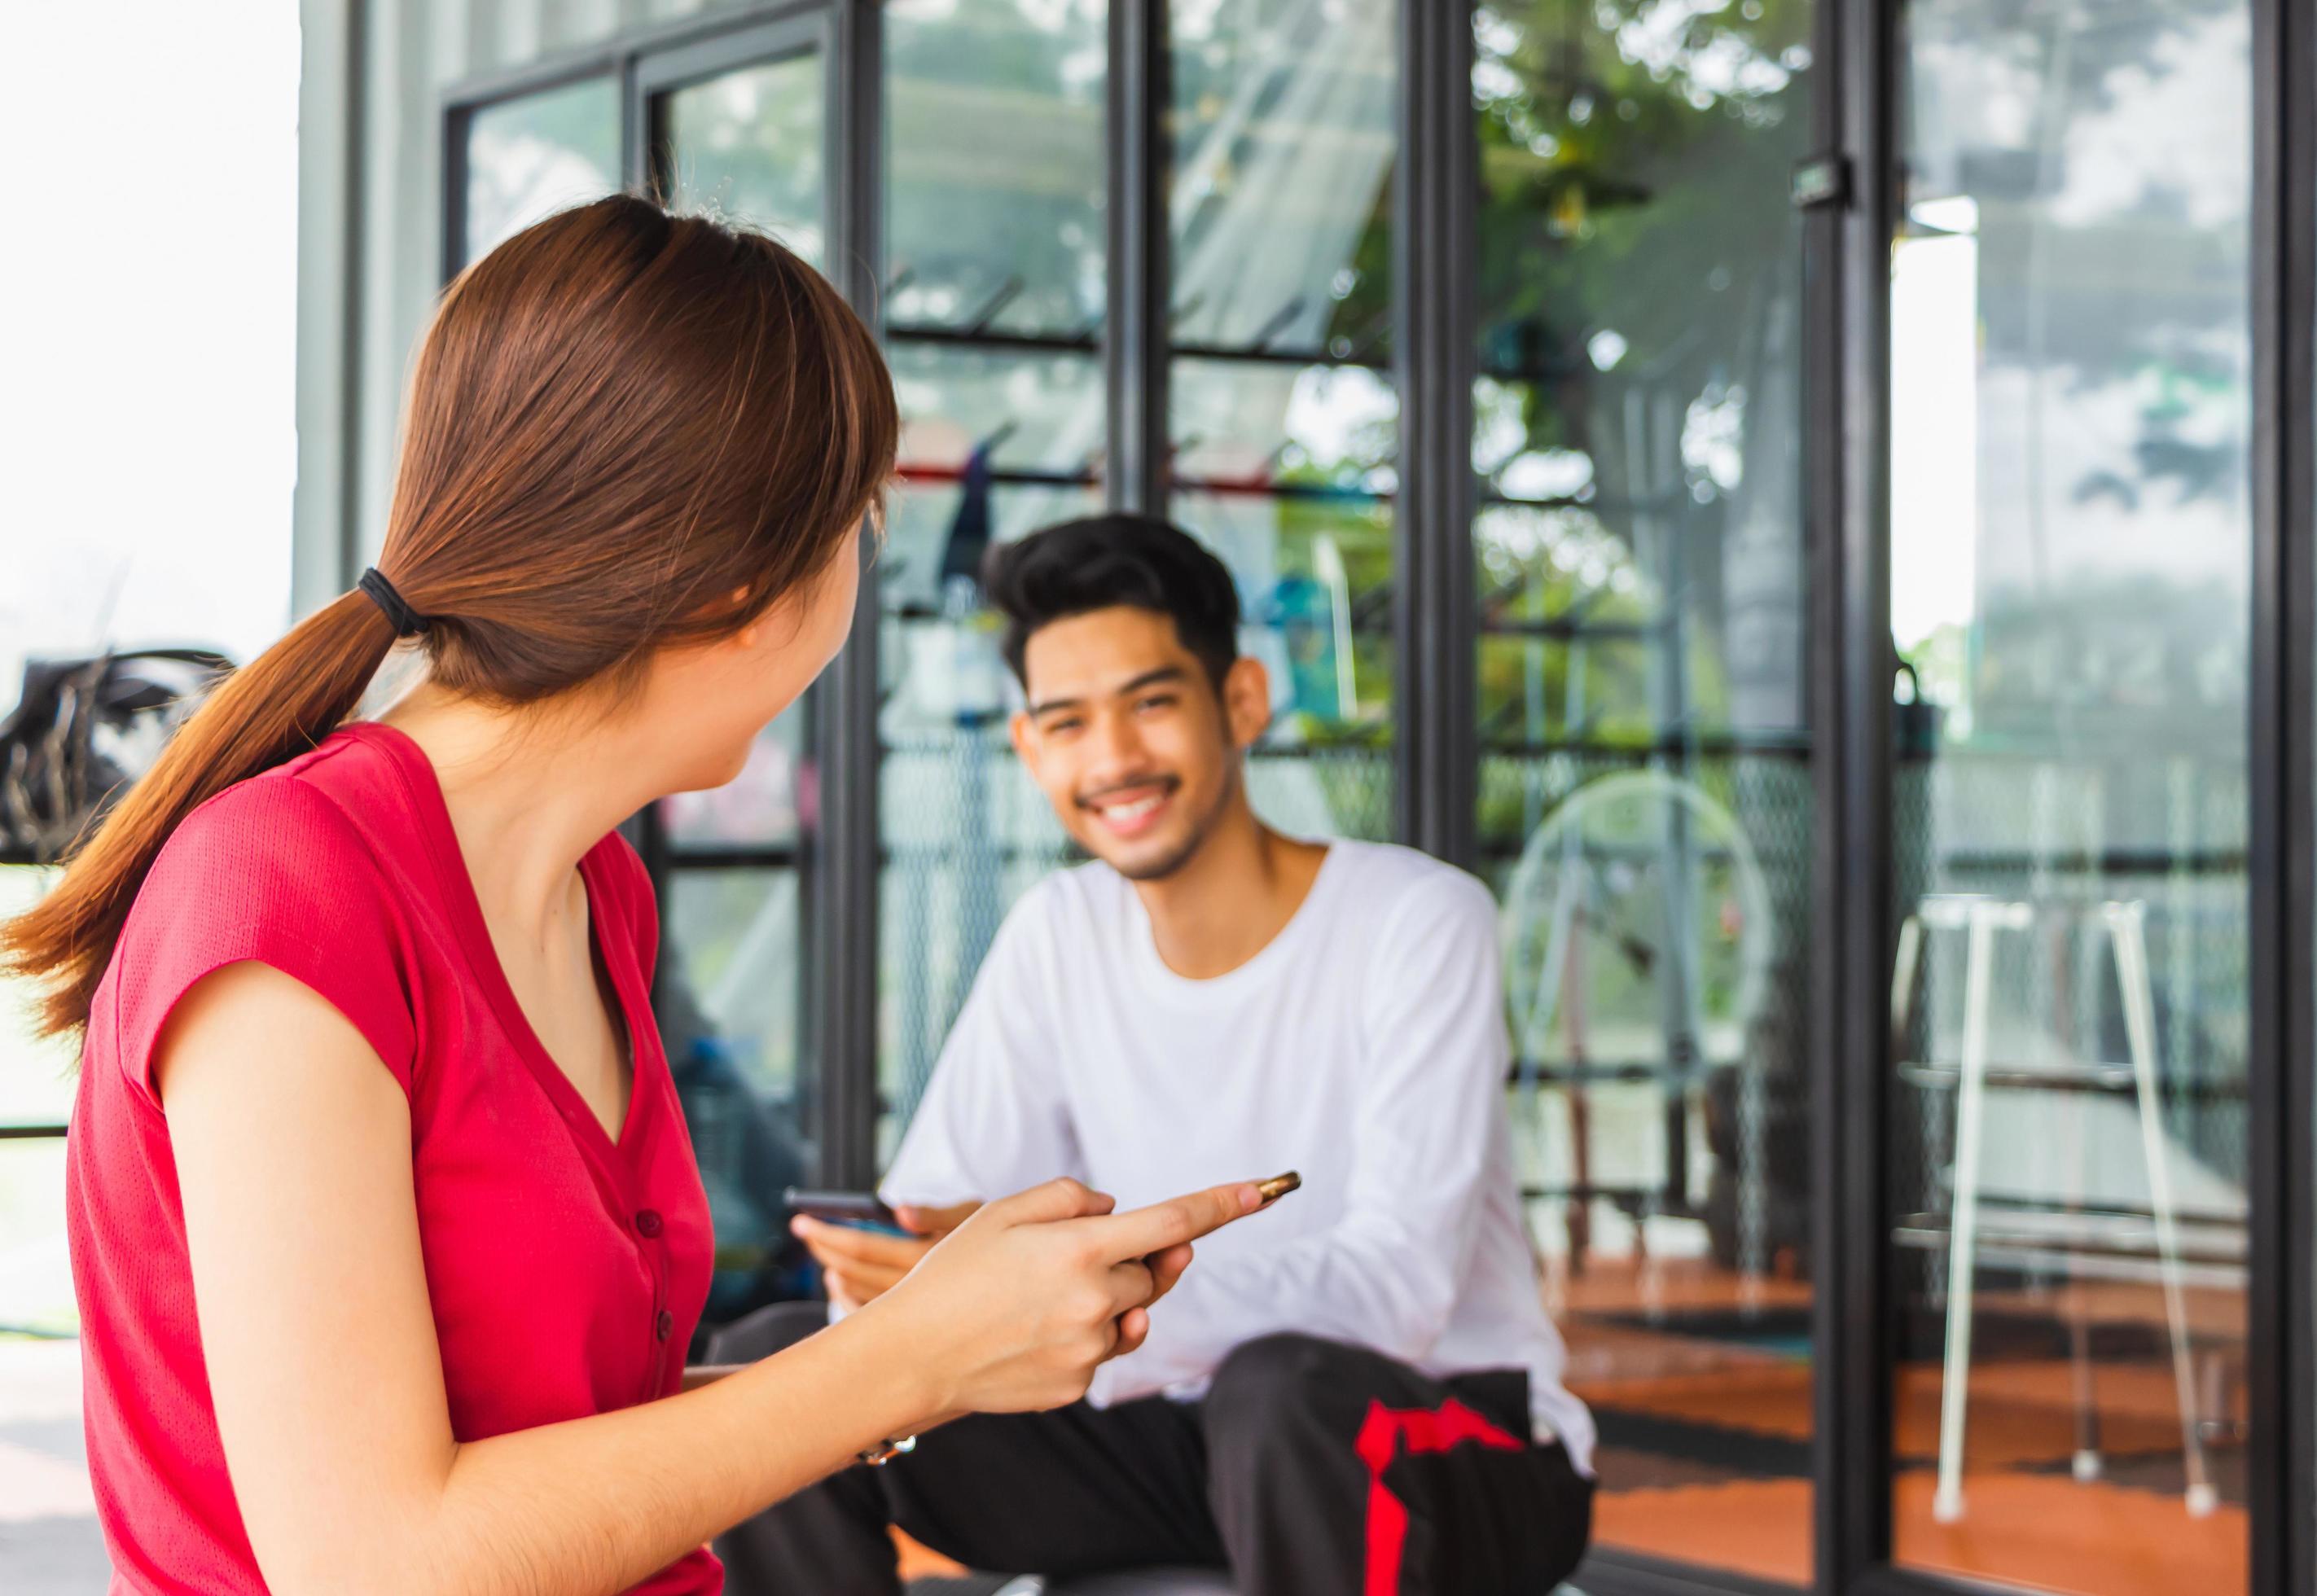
407,623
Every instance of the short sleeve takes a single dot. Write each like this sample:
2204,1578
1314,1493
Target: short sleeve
271,870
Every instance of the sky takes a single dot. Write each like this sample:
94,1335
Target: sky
148,314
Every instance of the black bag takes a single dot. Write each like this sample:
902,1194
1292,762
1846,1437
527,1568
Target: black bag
82,731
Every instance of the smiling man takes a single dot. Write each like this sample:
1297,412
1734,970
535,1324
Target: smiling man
1356,1391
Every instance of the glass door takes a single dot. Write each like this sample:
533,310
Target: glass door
740,131
2071,569
994,325
1283,417
1646,807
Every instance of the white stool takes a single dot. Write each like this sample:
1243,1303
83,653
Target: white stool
1981,918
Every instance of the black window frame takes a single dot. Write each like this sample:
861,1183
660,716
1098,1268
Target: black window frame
1846,192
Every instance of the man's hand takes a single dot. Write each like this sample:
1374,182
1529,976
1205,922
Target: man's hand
862,1265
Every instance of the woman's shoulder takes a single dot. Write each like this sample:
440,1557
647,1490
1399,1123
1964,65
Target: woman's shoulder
275,870
282,826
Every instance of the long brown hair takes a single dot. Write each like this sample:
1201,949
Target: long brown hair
620,419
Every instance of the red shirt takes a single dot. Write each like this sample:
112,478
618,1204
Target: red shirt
566,1271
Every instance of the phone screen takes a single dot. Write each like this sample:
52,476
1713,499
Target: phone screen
862,1209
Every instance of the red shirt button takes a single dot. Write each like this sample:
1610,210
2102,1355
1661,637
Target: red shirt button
665,1326
647,1222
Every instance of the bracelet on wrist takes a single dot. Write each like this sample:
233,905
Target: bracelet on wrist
885,1451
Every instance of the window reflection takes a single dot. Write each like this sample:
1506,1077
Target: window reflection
994,315
1645,788
2071,568
732,1015
1283,420
750,145
529,157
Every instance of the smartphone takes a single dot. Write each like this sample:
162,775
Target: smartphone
863,1209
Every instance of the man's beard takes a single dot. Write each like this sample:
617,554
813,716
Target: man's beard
1168,864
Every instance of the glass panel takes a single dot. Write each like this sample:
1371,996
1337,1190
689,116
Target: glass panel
1645,785
773,801
995,295
750,145
2071,566
1282,416
993,167
38,1075
730,998
530,157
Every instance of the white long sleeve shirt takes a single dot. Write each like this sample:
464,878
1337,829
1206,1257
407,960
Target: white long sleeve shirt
1364,1046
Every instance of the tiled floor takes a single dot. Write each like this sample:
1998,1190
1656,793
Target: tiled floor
1705,1433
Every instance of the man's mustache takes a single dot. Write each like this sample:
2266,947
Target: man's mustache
1168,787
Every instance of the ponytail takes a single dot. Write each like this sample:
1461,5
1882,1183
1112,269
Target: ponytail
627,431
273,709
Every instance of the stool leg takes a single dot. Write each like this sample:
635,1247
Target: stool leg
2089,1465
2124,921
1962,1238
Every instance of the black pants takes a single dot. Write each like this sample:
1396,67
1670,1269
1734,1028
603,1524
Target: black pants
1312,1469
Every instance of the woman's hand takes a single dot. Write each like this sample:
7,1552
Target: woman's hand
1016,1307
860,1265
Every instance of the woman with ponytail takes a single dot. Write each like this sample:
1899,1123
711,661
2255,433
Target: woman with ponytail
387,1230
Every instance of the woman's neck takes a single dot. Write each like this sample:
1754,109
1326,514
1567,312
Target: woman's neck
528,791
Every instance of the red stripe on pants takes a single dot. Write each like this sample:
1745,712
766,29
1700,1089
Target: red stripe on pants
1383,1434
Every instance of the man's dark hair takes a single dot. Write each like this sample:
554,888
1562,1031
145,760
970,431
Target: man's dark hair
1138,561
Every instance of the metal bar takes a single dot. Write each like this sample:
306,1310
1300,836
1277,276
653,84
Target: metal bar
999,340
2285,1487
739,856
30,1133
2071,1207
645,162
458,130
1847,404
2281,1366
610,55
647,151
1133,337
799,31
2104,861
844,953
1735,744
538,77
350,337
1030,342
1434,253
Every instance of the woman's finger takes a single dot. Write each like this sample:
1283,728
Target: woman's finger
1141,1232
1131,1285
1056,1199
1166,1268
1133,1330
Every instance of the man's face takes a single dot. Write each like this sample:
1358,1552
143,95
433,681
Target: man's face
1135,747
